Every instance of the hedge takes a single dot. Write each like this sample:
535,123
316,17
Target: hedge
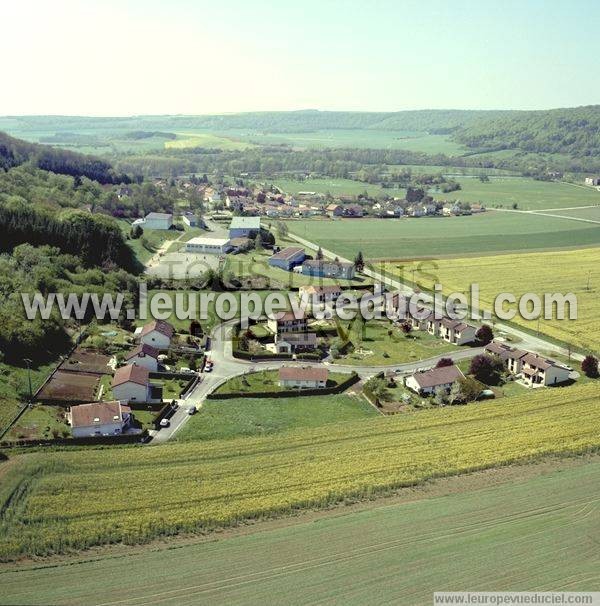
290,393
91,441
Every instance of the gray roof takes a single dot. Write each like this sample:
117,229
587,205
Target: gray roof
438,376
159,216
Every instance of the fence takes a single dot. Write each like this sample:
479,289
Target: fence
91,441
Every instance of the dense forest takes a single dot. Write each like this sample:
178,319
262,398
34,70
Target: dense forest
14,152
574,131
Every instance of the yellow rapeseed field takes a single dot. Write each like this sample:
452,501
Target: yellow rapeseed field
59,501
545,272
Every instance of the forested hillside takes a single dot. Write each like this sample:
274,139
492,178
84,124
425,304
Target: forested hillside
14,152
573,131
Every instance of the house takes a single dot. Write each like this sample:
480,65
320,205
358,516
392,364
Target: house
307,377
502,350
434,325
457,332
334,210
328,269
191,220
124,192
208,246
131,383
155,221
319,294
416,211
514,361
537,371
353,211
287,322
244,227
595,181
422,321
288,258
295,342
157,333
425,383
396,305
238,203
99,419
144,355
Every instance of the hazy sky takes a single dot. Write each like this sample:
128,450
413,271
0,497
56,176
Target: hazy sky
92,57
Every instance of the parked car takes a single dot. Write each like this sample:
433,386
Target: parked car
165,422
208,369
186,370
191,410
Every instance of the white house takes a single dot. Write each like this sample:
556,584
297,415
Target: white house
99,419
131,383
305,377
595,181
538,371
157,333
155,221
295,342
144,355
310,295
208,246
457,332
425,383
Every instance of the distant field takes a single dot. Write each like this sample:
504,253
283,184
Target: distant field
224,419
445,236
78,499
188,140
336,187
589,214
528,194
438,543
558,271
361,138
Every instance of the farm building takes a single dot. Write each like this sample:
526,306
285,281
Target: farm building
334,210
143,355
208,246
295,342
328,269
131,383
99,419
157,333
425,383
244,227
538,371
287,322
595,181
155,221
288,258
307,377
191,220
319,294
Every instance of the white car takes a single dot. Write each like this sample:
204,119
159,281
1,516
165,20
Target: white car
165,422
186,370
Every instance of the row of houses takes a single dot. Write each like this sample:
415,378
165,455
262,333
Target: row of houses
452,331
534,370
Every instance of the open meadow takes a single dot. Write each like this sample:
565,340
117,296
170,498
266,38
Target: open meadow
78,499
568,271
335,187
409,238
527,194
542,529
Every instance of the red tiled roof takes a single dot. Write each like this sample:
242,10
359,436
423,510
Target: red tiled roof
303,373
98,413
147,350
159,325
131,373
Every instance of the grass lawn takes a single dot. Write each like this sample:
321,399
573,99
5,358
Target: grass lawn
255,263
186,140
223,419
336,187
14,387
589,214
409,238
380,348
440,538
151,240
144,418
171,387
267,380
528,194
41,422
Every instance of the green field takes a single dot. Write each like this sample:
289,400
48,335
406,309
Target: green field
538,533
66,500
528,194
193,139
492,231
587,214
356,138
224,419
336,187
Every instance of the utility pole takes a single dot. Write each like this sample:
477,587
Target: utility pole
28,362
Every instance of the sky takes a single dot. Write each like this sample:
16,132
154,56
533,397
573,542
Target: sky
132,57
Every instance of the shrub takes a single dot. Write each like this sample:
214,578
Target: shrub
487,369
484,335
444,362
589,366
